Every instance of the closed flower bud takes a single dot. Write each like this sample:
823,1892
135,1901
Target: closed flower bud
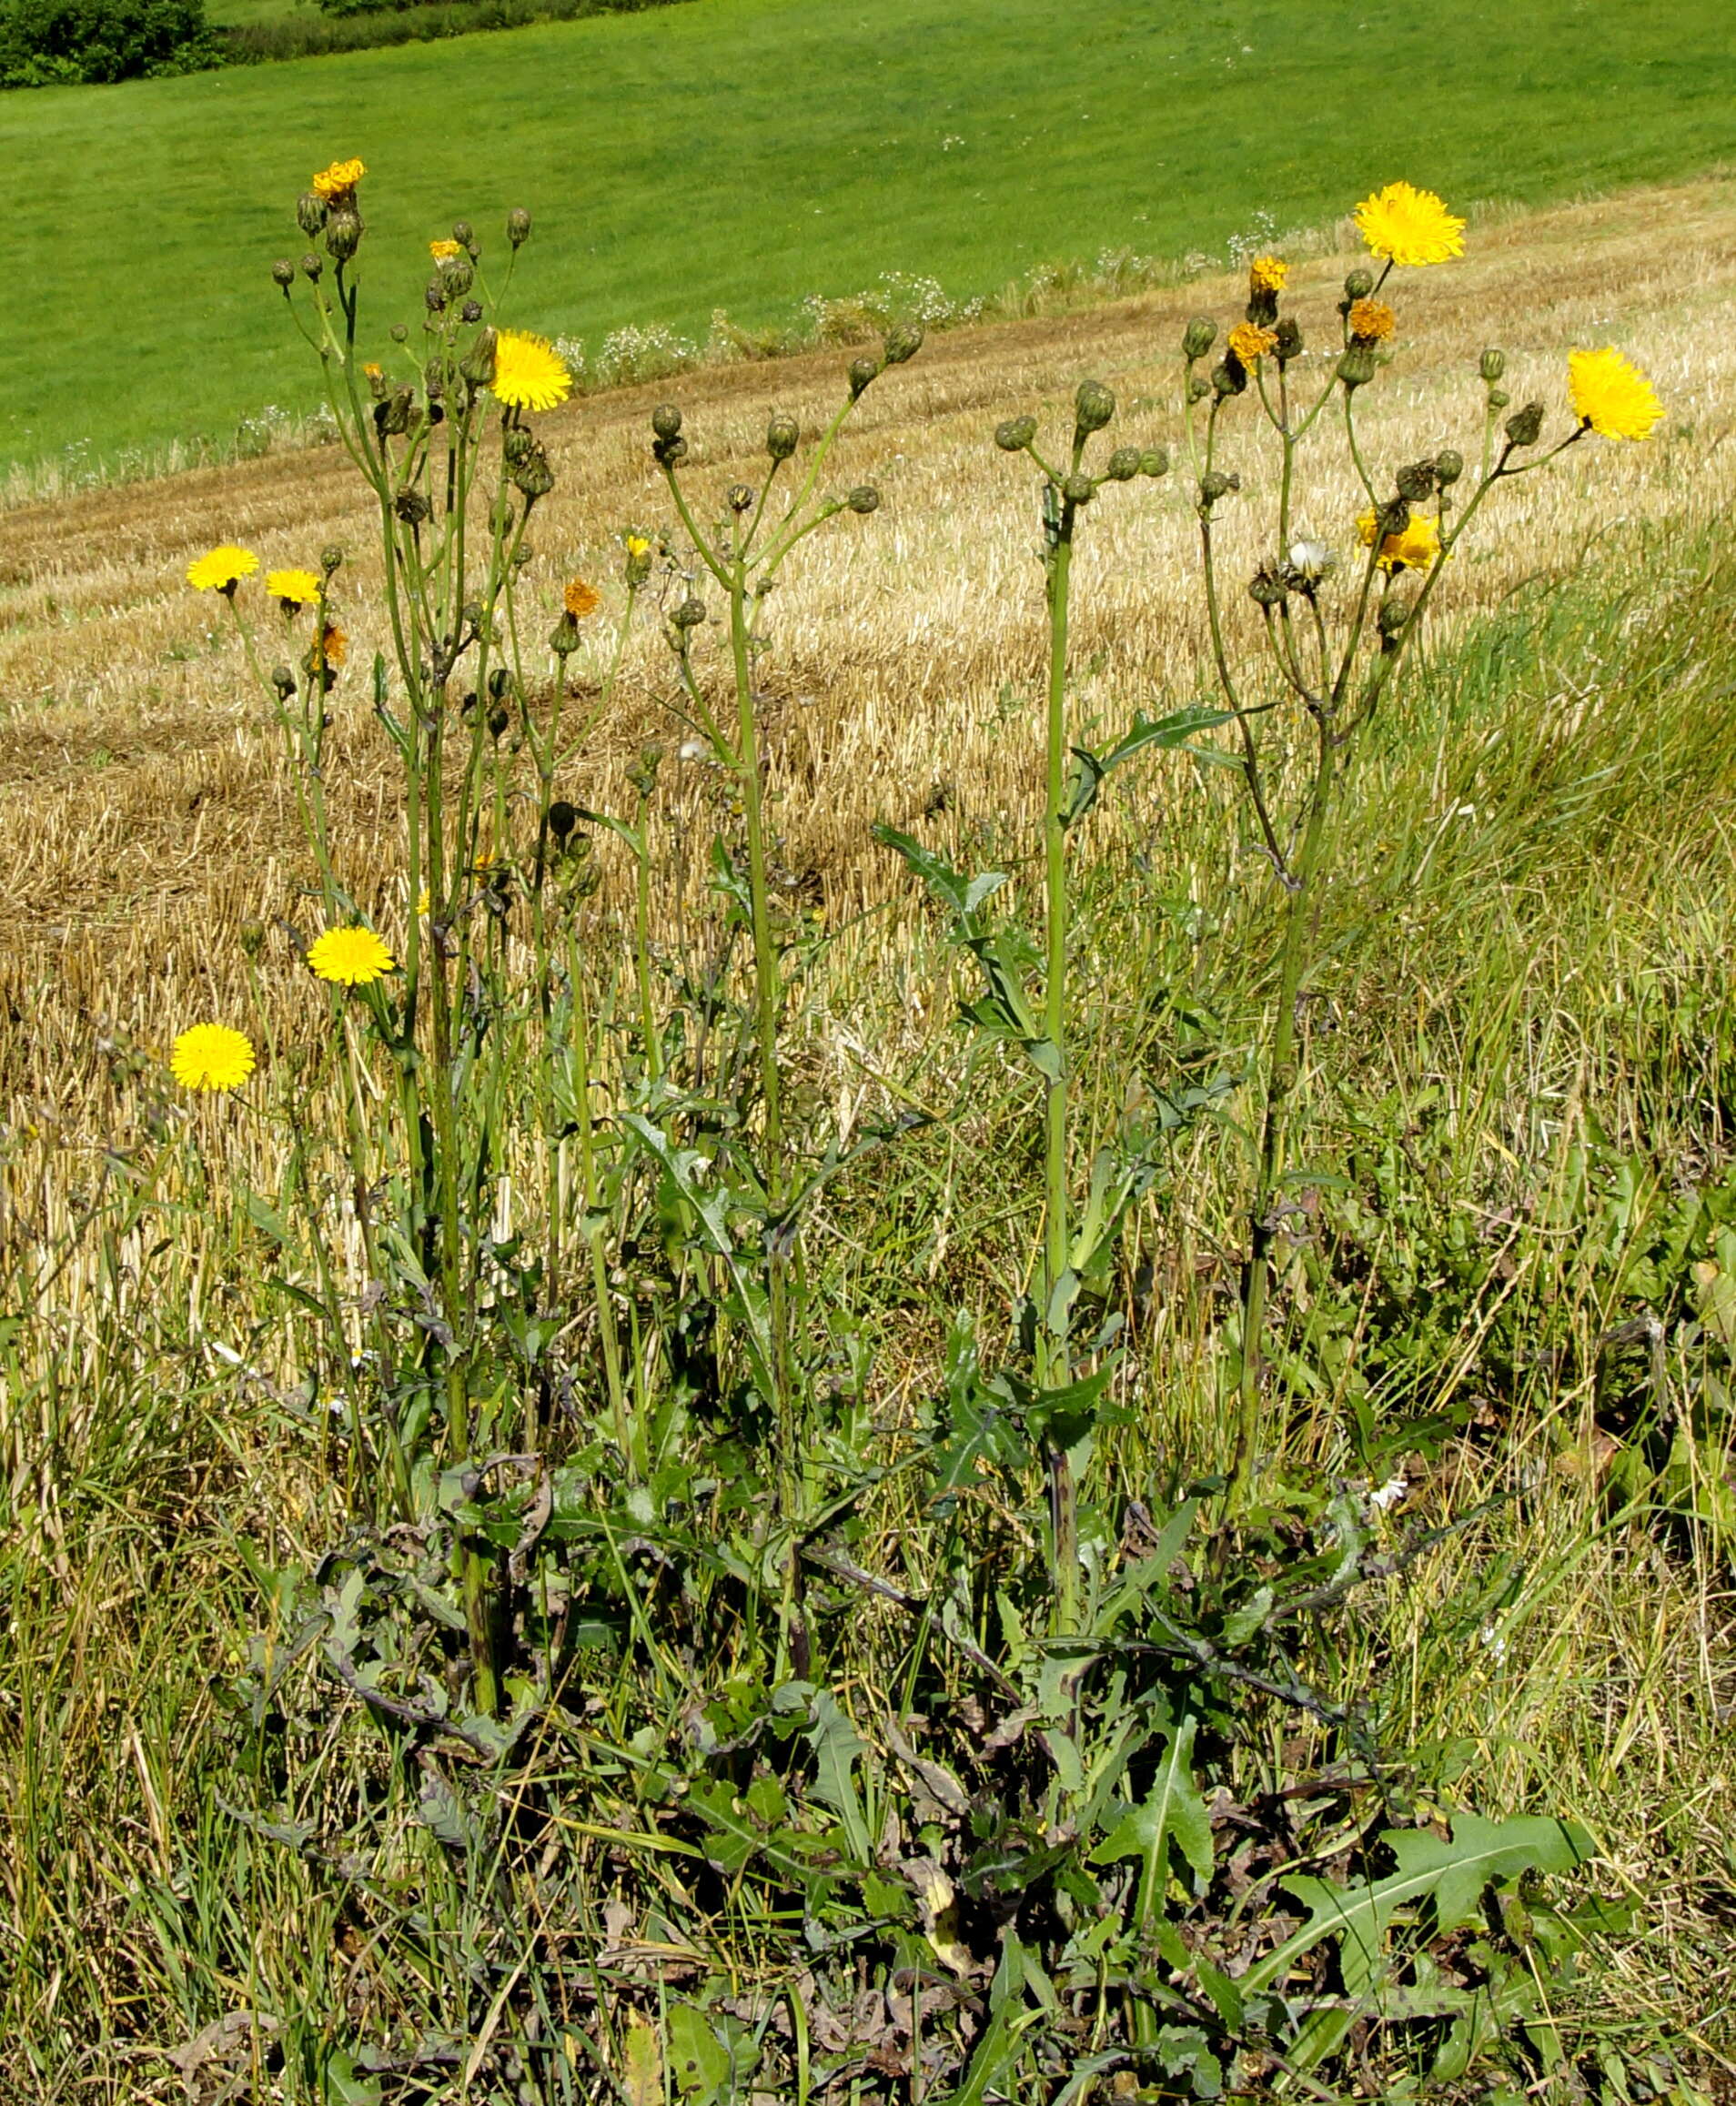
478,363
518,226
864,372
1078,490
1262,307
1450,465
532,475
1498,398
283,682
393,416
1358,367
1229,377
343,236
311,266
1525,427
1123,464
458,278
565,637
1359,284
498,722
689,614
434,297
1199,387
412,508
741,497
1214,484
902,343
1492,364
1394,614
1266,589
1199,337
471,311
516,445
865,499
563,818
666,453
252,934
1392,517
311,213
782,436
1094,406
1289,341
464,234
331,556
1416,482
398,333
666,421
283,273
1016,434
1154,461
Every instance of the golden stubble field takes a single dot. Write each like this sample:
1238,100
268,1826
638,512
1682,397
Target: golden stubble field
148,812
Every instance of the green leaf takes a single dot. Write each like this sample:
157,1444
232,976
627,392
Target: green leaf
1452,1874
1173,1813
836,1747
964,896
1163,733
698,2060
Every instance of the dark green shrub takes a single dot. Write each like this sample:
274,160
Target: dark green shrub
46,42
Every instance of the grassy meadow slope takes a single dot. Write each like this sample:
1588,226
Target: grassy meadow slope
744,154
1526,1026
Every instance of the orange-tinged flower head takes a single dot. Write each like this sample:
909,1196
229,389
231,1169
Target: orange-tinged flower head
339,180
1371,321
1612,396
1266,274
333,648
1410,227
581,599
1251,343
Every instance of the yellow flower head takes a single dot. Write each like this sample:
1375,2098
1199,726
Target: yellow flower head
349,957
581,599
1612,396
223,569
339,181
1409,226
424,901
1251,343
445,251
1266,274
529,372
295,589
638,546
1415,550
210,1056
1371,321
333,647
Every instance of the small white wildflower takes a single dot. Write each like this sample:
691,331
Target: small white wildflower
1390,1494
1312,559
1492,1641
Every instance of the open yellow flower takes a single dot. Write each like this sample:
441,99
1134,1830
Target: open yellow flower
223,569
529,372
349,957
295,589
445,251
210,1056
581,599
1415,550
1266,274
339,180
1611,395
1251,343
1411,227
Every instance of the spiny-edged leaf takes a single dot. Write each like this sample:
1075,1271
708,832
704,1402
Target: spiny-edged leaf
962,894
698,2059
1136,1581
641,2064
1175,1812
1452,1874
1147,733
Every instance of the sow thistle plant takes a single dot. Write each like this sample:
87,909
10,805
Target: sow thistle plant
607,1486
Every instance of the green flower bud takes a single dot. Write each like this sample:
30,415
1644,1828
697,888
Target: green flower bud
689,614
1492,364
1266,589
782,436
565,637
1358,367
434,297
457,277
563,818
1154,461
865,499
311,266
1078,490
330,558
1525,427
392,416
478,363
252,934
464,234
498,722
283,681
1199,387
311,211
1214,484
1450,465
518,226
412,508
741,497
666,420
532,474
1359,284
864,372
1289,341
1016,434
343,236
1198,337
398,333
516,445
283,273
666,453
1416,482
1392,517
904,342
1094,406
1229,377
1498,398
1393,615
1123,464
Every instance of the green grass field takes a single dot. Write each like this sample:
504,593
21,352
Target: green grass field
742,154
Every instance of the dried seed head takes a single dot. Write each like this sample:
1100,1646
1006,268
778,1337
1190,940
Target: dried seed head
1416,482
412,508
471,311
1266,587
1229,377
